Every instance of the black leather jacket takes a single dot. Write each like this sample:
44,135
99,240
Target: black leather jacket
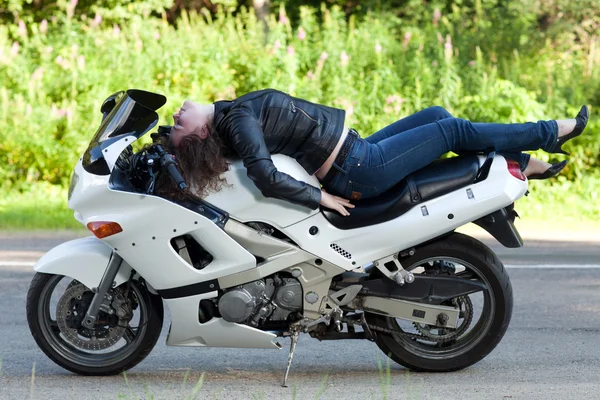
267,122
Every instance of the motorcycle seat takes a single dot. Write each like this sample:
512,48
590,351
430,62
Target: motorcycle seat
439,178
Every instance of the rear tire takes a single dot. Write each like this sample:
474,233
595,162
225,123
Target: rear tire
72,358
457,247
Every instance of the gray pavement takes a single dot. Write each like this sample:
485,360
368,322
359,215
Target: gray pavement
549,352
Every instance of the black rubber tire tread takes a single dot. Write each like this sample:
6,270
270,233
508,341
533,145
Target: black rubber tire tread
152,333
473,251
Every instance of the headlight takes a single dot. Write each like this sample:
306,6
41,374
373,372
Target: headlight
74,180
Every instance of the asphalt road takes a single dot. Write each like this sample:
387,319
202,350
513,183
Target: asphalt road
550,351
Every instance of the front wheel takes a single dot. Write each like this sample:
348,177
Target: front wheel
126,330
483,319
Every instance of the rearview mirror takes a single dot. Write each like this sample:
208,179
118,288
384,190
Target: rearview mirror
110,103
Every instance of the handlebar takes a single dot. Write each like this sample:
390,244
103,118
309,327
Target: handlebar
176,175
168,160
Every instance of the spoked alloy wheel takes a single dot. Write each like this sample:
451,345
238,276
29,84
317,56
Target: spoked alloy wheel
121,338
483,319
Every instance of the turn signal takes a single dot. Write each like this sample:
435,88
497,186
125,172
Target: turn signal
515,169
102,229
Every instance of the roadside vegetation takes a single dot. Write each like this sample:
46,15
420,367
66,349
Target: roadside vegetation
483,60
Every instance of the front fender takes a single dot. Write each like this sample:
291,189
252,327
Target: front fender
82,259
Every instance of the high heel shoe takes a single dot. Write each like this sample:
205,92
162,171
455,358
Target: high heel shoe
550,172
581,121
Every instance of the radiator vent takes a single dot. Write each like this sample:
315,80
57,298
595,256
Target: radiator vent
343,252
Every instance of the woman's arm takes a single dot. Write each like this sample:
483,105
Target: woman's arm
247,139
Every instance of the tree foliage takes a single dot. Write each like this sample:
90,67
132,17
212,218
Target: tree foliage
486,60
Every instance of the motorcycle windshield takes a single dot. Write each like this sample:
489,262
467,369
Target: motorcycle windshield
133,115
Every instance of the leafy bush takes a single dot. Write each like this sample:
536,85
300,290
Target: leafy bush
55,74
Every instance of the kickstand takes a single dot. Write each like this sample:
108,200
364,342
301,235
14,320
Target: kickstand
294,338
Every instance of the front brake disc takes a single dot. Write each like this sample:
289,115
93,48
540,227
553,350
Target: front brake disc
101,337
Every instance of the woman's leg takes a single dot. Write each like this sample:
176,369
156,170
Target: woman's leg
463,135
420,118
536,166
427,116
391,159
521,158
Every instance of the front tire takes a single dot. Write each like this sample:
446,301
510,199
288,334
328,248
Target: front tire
480,263
80,352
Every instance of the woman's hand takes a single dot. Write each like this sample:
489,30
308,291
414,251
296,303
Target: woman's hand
335,203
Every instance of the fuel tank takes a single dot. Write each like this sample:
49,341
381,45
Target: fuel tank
244,202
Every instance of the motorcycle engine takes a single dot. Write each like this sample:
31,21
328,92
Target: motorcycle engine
273,298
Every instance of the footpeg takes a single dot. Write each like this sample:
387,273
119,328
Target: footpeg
390,266
401,277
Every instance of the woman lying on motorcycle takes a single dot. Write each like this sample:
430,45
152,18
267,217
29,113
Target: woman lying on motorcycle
350,168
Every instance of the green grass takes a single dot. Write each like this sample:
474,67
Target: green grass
43,207
32,387
566,203
569,202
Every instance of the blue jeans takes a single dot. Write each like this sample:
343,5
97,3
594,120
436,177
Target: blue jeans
379,162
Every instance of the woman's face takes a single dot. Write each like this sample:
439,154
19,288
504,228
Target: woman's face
191,119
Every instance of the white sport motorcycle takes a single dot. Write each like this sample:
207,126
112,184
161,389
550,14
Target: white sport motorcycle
240,270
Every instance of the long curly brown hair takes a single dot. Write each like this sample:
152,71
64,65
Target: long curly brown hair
201,162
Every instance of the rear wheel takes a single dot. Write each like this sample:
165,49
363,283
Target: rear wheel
126,330
484,316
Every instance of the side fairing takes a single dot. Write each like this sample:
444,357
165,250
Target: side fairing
355,247
149,223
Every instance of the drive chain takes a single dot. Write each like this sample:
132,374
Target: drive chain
414,336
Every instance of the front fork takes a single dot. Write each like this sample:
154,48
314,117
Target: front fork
102,290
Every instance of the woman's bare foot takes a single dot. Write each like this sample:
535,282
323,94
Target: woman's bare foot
536,166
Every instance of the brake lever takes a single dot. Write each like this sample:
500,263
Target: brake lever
152,182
